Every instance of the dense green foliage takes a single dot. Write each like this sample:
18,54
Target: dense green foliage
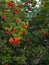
33,46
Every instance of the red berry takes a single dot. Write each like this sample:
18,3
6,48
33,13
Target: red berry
10,4
11,40
3,17
25,26
17,21
8,32
15,31
23,33
16,11
19,6
45,33
16,41
6,64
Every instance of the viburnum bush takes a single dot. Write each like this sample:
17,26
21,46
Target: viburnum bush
15,24
14,32
24,33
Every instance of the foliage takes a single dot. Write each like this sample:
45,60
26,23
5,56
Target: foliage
24,33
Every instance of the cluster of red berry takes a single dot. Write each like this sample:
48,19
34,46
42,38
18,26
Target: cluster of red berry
9,32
